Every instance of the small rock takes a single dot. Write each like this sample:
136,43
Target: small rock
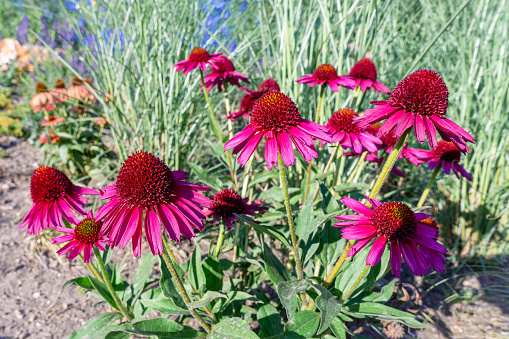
37,295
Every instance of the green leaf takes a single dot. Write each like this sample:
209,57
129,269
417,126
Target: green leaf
288,292
165,306
271,231
275,269
207,298
232,328
263,177
329,204
269,320
81,282
380,297
328,305
169,287
304,323
338,328
103,291
317,222
331,245
305,217
196,273
97,327
143,272
213,274
383,312
231,297
161,328
351,274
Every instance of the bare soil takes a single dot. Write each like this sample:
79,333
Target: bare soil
33,304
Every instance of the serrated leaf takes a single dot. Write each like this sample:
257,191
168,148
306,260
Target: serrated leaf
232,328
269,319
97,327
384,312
288,292
275,269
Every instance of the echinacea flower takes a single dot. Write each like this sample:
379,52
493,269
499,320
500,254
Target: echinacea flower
446,154
248,101
54,196
435,260
59,91
51,120
326,74
223,72
350,135
79,92
87,234
199,57
42,100
227,202
276,117
363,73
146,195
43,138
394,223
420,100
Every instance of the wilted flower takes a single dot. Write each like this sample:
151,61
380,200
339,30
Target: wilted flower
326,74
51,120
446,154
223,72
419,100
199,57
146,195
42,100
54,196
363,73
227,202
248,101
350,135
392,222
276,117
87,234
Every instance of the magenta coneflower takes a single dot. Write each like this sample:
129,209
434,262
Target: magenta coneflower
447,154
363,73
392,222
223,72
199,57
326,74
148,194
227,202
87,234
248,101
276,117
54,196
419,100
350,135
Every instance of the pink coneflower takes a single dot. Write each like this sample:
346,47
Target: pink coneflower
447,154
43,138
435,260
148,194
392,222
51,120
87,234
227,202
42,100
199,57
349,135
363,73
419,100
276,117
326,74
248,101
54,196
223,72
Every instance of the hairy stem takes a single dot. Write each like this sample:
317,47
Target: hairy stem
355,284
220,239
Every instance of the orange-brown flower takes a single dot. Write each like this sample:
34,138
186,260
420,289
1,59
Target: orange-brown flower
42,100
80,92
51,120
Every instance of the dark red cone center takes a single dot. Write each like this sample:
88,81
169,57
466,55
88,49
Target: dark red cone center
199,54
226,202
87,231
144,181
365,69
325,72
274,111
342,120
49,185
394,220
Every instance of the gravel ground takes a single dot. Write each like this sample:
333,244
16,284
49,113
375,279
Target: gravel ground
34,305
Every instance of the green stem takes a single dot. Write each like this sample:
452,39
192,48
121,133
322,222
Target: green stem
428,187
220,239
284,183
217,130
107,281
357,167
227,107
329,163
389,163
180,285
355,284
91,267
340,166
319,108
